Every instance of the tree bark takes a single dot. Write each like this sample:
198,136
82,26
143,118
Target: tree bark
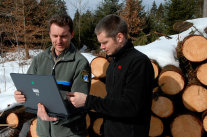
204,8
156,68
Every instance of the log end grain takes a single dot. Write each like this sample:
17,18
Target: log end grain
162,107
33,127
98,88
99,66
97,126
195,98
201,73
13,119
186,126
171,82
194,48
156,127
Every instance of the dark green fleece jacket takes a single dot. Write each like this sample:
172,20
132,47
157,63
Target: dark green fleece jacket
73,74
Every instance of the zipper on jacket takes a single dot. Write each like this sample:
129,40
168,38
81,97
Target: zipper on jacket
53,68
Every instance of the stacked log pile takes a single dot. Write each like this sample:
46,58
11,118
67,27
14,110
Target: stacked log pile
11,121
99,66
180,97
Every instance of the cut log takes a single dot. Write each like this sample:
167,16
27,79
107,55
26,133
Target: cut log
156,127
97,126
171,80
156,68
181,26
98,88
201,73
7,112
186,125
88,121
13,118
194,48
195,98
33,127
99,66
18,118
205,121
162,107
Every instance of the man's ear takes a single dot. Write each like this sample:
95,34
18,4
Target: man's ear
120,37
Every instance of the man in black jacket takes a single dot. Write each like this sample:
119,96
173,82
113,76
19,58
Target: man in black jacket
129,79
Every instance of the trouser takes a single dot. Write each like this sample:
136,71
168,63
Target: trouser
76,128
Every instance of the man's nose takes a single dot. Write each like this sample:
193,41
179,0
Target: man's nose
59,39
102,46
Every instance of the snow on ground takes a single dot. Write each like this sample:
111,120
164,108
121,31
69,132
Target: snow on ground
162,50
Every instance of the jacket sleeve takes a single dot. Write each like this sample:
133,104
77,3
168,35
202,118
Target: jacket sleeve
82,77
33,67
136,95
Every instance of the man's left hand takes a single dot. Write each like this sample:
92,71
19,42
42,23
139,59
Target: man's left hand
77,99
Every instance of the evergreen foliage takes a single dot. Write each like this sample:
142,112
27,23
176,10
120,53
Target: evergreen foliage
89,21
179,10
88,36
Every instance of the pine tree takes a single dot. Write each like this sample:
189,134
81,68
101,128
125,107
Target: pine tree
88,36
133,13
179,10
107,7
153,10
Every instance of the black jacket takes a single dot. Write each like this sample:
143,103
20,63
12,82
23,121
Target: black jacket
127,106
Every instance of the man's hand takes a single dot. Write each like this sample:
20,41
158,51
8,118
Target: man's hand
77,99
19,97
41,112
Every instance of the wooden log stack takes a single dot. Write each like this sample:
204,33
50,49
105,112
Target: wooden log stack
11,121
98,66
180,96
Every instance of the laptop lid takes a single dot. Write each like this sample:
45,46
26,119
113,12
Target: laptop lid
40,89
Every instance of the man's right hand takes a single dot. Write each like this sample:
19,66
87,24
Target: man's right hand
19,97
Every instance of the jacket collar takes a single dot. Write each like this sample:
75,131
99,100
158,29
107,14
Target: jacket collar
69,53
128,46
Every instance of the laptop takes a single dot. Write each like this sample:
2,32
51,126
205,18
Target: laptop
41,89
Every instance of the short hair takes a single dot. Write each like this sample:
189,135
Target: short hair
112,25
61,20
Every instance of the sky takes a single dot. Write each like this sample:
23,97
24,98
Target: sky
162,50
93,4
